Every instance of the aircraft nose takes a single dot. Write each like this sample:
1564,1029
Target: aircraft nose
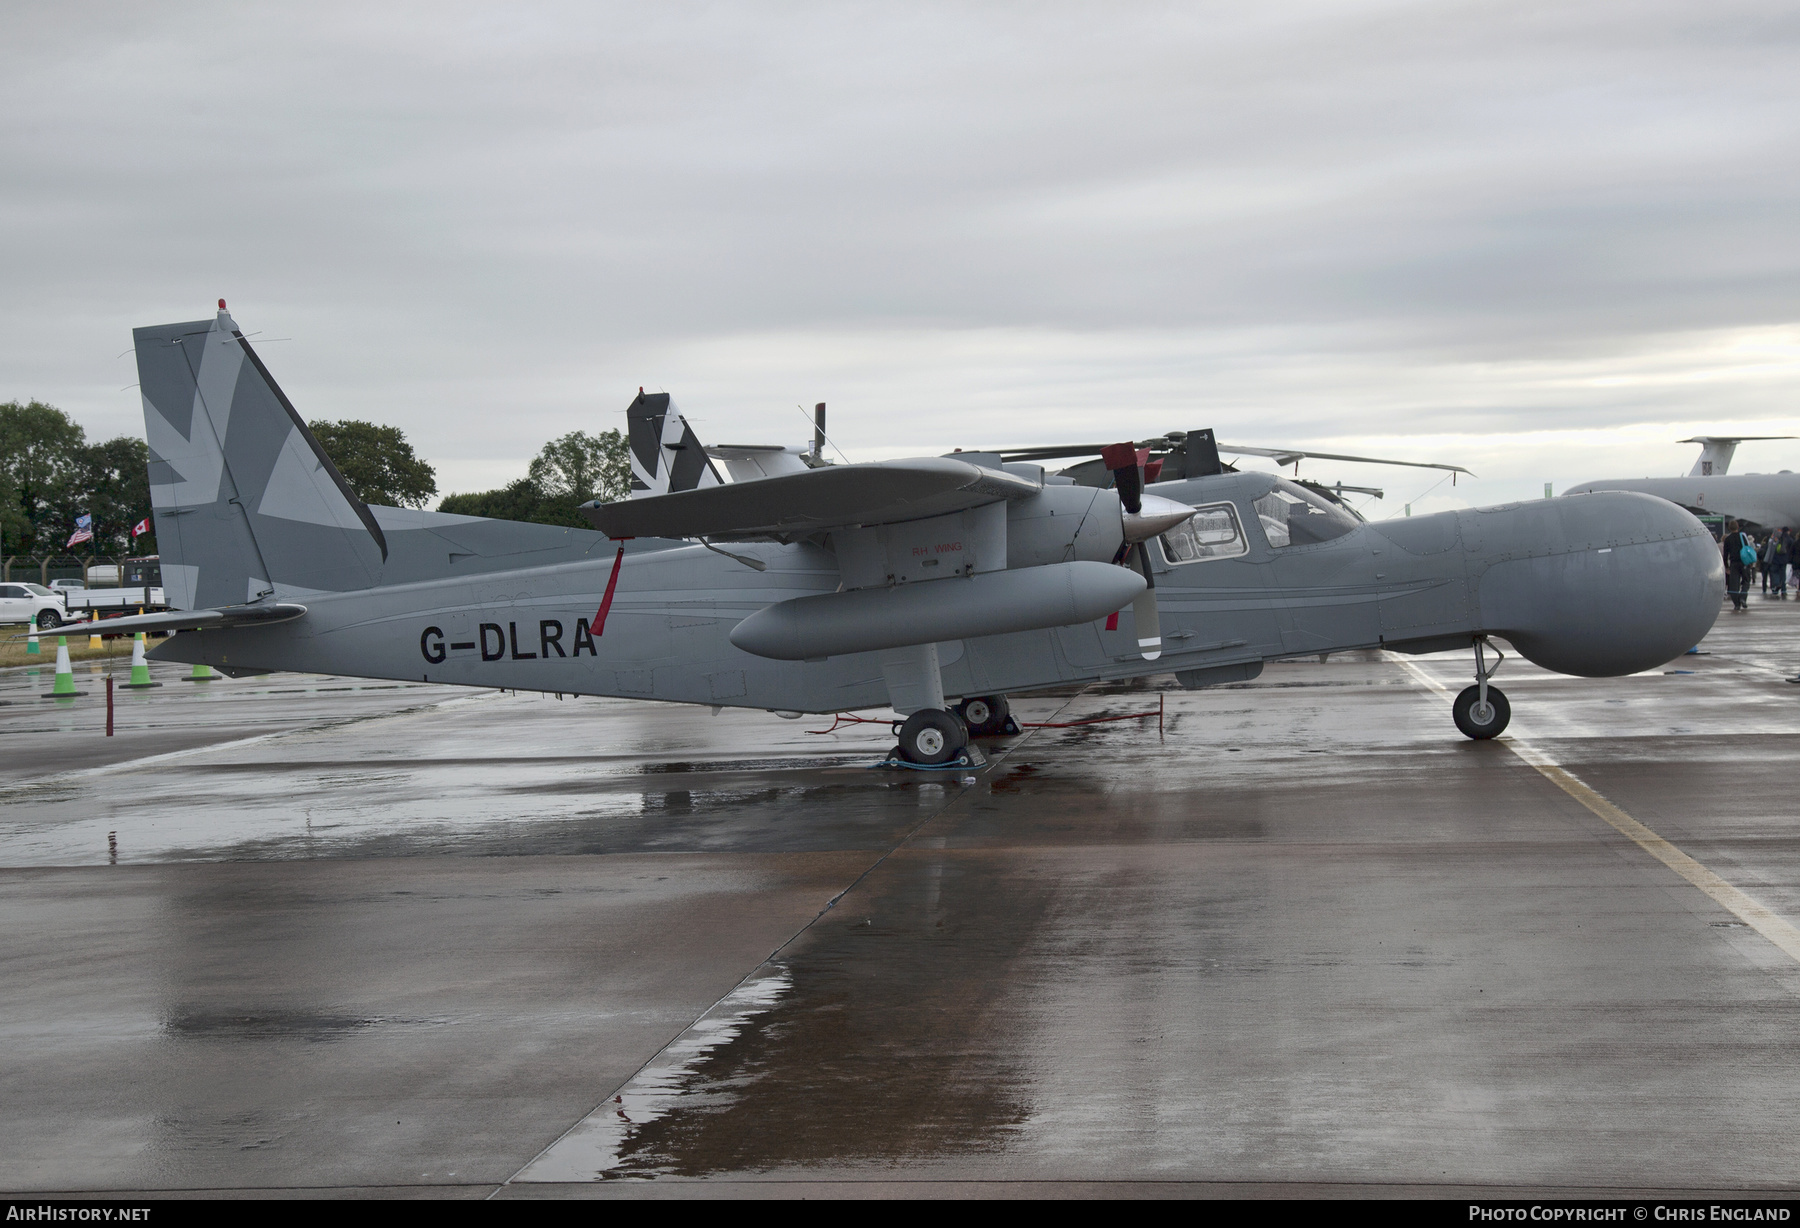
1157,515
1596,585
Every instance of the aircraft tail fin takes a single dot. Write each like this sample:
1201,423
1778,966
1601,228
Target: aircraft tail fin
666,455
1716,452
247,504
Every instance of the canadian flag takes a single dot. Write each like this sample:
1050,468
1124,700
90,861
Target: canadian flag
141,527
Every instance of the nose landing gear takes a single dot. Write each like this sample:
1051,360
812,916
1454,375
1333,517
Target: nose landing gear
1481,711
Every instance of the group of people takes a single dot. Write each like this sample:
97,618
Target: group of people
1746,555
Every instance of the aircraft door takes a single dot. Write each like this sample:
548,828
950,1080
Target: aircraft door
1319,571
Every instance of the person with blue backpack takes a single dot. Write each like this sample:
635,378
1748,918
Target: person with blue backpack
1739,549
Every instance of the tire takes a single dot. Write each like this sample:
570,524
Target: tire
1464,712
985,715
932,736
48,620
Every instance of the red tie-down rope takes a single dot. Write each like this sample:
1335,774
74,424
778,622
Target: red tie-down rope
846,718
612,582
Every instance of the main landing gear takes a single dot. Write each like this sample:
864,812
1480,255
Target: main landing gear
1481,711
987,716
934,736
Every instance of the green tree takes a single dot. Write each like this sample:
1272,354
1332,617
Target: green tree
112,484
520,500
377,462
40,449
579,467
567,473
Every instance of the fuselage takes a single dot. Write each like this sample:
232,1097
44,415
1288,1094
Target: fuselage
1601,585
1771,500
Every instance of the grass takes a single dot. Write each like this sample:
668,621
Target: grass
13,646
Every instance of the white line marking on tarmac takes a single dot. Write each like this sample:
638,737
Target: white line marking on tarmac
1745,907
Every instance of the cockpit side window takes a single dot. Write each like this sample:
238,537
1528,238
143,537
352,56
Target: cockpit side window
1212,532
1294,516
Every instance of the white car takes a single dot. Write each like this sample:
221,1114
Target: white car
31,603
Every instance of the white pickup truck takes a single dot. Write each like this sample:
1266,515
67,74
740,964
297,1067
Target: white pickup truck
31,603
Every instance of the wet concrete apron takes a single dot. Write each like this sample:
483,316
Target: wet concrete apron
1308,940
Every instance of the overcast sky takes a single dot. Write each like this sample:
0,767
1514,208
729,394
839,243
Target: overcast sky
1544,241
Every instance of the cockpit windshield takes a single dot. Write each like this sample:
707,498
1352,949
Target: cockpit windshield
1292,515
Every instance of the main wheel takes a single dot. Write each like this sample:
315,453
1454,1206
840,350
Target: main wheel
1476,723
985,715
932,736
48,620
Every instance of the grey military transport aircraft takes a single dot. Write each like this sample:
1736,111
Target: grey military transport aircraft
935,586
1765,500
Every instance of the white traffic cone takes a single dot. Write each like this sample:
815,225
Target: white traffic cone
65,673
140,668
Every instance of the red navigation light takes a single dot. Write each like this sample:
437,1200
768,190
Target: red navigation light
221,304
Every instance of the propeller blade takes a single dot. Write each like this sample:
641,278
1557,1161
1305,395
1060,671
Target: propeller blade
1123,461
1144,617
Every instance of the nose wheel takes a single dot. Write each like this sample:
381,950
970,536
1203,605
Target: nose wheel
1481,711
1478,720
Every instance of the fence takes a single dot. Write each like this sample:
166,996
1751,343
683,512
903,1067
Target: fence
58,567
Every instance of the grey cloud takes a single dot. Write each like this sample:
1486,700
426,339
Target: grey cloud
489,223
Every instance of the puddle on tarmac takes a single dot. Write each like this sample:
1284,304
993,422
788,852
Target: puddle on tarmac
599,1144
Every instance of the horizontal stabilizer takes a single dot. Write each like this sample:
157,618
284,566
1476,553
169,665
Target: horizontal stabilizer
193,620
794,505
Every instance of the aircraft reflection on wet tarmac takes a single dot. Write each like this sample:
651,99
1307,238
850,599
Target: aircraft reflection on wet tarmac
1360,949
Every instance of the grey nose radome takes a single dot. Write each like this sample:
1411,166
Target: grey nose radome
1156,515
1598,586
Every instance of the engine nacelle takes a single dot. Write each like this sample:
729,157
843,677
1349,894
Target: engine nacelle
1064,524
994,603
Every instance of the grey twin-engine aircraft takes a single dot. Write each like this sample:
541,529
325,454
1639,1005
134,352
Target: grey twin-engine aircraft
936,586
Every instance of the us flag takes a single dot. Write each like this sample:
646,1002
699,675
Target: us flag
84,530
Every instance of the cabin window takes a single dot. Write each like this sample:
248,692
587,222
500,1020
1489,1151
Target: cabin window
1211,533
1294,516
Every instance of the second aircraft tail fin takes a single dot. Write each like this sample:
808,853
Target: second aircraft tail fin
666,456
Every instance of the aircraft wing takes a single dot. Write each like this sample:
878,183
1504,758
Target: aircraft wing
794,505
189,620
